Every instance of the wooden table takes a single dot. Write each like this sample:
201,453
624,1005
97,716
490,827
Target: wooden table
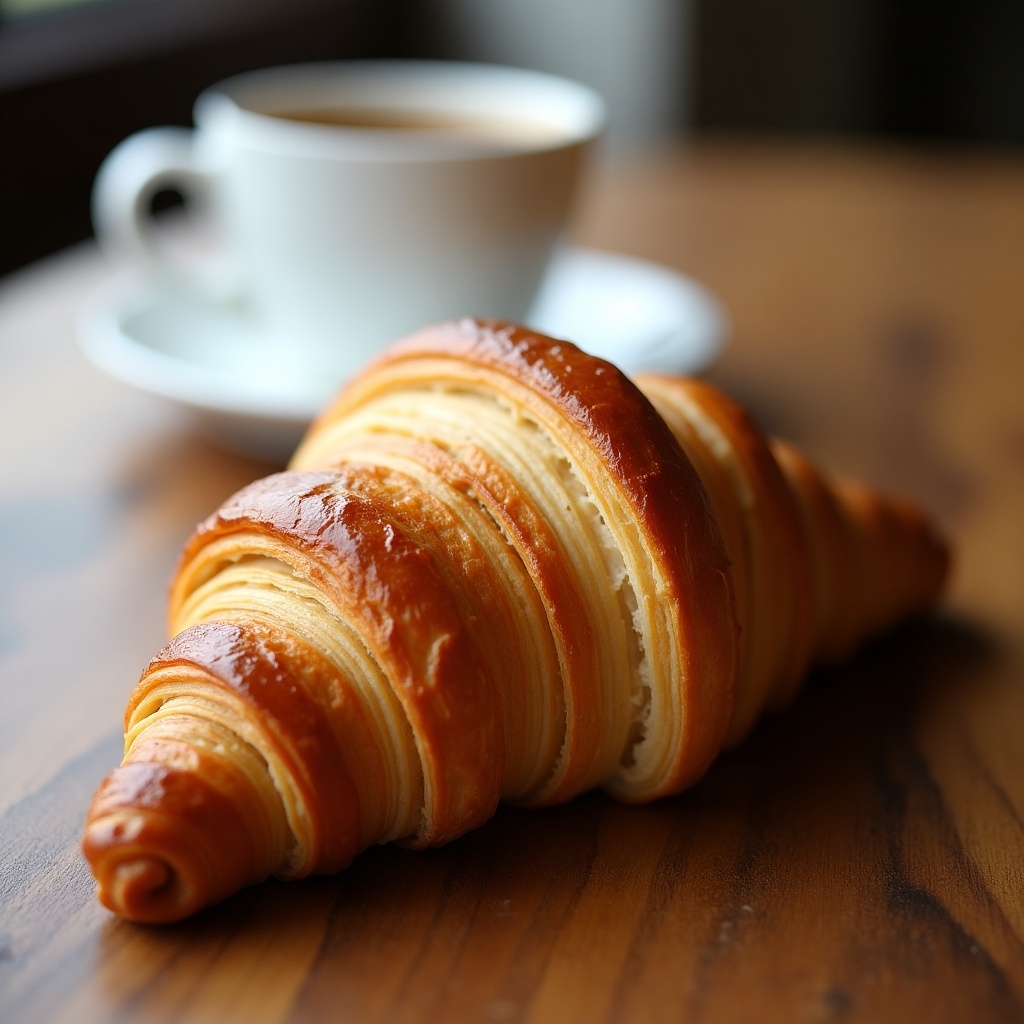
860,858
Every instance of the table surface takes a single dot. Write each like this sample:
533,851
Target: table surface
859,858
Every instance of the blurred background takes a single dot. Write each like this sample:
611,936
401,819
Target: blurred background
77,76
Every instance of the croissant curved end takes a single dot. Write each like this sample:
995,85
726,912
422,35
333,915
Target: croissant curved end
163,843
139,882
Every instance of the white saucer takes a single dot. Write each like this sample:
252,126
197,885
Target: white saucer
218,361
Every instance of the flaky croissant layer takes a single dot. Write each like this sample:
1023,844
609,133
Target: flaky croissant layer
496,568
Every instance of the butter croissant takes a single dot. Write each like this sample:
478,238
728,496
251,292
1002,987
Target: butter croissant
496,569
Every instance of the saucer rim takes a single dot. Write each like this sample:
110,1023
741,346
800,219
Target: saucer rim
107,343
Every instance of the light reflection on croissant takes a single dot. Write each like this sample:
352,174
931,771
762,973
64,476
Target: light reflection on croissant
495,570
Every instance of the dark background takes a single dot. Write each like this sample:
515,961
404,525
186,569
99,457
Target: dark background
75,82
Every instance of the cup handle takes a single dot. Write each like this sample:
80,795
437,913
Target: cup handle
131,175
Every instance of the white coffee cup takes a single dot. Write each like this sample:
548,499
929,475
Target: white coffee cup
359,201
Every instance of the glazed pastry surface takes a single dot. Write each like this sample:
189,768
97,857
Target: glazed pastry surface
495,569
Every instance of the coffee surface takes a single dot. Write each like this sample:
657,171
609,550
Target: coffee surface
519,131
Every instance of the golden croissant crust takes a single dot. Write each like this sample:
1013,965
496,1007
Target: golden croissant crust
496,569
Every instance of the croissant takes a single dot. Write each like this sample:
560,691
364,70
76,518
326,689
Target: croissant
495,569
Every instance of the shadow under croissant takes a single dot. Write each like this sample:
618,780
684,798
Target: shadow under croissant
811,800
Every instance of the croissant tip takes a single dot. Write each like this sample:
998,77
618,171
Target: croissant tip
145,889
136,883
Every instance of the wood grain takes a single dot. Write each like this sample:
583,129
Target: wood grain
860,858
